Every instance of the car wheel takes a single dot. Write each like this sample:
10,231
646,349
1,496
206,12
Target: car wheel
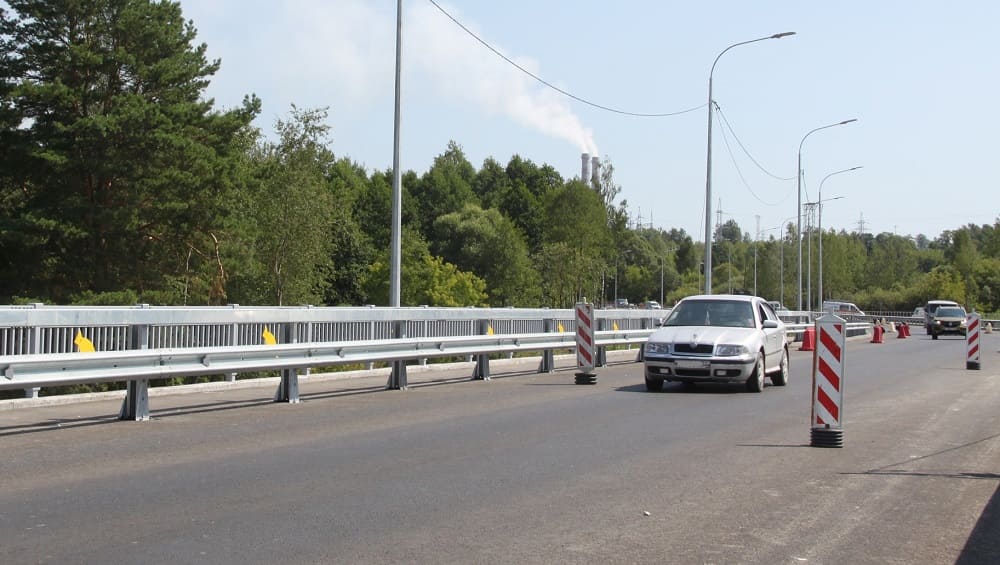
756,381
654,385
781,377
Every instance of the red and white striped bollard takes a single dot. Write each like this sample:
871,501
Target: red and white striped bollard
585,348
827,418
972,324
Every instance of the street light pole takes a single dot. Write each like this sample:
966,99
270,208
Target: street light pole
810,206
798,177
661,281
819,198
708,161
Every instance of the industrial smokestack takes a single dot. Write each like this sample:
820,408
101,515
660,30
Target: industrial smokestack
585,169
595,171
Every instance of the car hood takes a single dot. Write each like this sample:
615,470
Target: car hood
703,335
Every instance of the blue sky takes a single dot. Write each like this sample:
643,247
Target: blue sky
921,77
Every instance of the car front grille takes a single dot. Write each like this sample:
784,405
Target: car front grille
699,349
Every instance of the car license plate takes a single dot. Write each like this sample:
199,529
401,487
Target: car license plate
682,364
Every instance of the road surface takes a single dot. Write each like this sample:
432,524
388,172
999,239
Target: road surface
524,468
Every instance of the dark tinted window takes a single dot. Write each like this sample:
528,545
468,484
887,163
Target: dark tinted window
950,312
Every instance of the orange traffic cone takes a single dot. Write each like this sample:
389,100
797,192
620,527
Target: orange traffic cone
877,332
904,330
808,340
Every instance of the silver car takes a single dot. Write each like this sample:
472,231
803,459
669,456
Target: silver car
718,338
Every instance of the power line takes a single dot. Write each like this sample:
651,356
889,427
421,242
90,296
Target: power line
736,137
732,157
554,87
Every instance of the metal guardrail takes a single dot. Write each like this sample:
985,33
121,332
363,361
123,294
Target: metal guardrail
38,344
143,343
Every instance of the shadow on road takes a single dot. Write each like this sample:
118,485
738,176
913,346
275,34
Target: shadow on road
682,388
983,545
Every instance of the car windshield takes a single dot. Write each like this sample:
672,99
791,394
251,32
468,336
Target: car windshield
950,312
727,313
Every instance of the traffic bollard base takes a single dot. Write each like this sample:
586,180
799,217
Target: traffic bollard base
972,365
826,437
585,379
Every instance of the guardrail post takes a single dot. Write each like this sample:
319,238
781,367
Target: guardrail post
601,358
135,407
548,363
426,333
309,339
234,341
34,335
288,390
482,370
397,378
371,335
645,324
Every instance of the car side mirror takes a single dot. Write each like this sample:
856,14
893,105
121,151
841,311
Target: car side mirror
770,324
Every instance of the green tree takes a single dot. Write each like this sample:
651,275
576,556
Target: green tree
945,283
844,262
352,250
425,279
445,188
576,235
126,169
486,243
523,203
987,276
293,212
893,259
963,256
491,184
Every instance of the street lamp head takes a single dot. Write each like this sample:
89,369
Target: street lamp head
847,121
782,34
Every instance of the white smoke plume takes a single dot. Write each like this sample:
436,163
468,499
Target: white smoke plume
466,70
344,50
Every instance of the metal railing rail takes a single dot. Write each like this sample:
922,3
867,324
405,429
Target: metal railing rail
38,344
104,366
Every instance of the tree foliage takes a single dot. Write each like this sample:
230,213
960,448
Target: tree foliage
120,182
124,168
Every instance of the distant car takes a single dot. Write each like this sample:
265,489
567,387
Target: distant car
948,320
622,303
651,305
778,307
931,308
843,309
719,338
918,312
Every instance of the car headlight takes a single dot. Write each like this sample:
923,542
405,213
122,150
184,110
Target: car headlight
731,350
657,347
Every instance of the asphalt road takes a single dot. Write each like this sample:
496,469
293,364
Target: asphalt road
524,468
